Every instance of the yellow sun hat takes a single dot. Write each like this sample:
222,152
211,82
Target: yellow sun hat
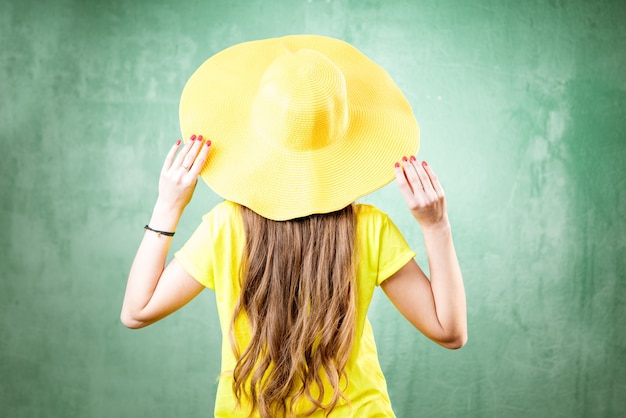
299,125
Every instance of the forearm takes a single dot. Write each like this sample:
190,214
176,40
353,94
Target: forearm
446,280
149,261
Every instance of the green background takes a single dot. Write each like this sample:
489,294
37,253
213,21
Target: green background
522,109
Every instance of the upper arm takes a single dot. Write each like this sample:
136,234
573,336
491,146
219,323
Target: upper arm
175,288
410,291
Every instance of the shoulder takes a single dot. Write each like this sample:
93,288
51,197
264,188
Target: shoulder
369,214
223,221
224,208
371,222
375,225
226,211
364,209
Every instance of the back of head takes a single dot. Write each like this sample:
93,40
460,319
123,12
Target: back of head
298,295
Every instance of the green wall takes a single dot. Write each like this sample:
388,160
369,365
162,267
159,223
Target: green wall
522,108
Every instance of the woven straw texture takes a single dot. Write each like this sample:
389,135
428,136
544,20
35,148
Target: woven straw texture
299,125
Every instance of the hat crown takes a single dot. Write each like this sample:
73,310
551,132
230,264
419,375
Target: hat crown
302,102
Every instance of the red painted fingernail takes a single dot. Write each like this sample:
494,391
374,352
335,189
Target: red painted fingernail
199,137
192,137
208,143
397,165
405,159
178,142
413,158
424,163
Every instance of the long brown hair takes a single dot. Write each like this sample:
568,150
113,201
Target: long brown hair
298,295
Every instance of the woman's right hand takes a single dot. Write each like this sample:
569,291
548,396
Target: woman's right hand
422,192
152,292
179,174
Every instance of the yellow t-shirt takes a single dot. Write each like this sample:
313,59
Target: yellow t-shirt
212,256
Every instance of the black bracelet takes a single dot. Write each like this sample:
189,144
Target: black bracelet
167,234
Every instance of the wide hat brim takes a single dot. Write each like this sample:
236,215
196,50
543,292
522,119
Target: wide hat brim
283,183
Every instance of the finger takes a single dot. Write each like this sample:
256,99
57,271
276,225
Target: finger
192,153
183,153
411,175
169,159
405,186
433,179
427,186
198,164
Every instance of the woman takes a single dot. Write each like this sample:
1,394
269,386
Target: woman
300,127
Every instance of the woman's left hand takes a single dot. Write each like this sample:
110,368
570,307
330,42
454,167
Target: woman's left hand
179,174
422,192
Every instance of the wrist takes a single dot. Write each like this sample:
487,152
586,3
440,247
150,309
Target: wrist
440,227
168,207
165,216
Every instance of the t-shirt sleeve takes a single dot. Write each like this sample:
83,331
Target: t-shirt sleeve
393,250
193,256
209,248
